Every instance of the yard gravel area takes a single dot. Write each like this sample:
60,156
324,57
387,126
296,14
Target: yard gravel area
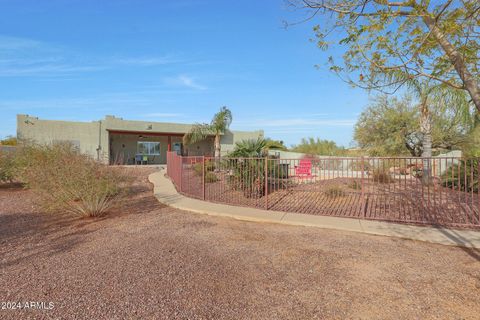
148,261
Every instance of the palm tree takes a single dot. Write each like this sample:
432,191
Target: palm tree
275,145
200,131
443,99
250,148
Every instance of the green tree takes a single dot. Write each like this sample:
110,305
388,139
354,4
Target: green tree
471,147
275,144
200,131
440,99
391,127
319,147
388,43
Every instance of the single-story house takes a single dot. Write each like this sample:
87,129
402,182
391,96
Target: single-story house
117,141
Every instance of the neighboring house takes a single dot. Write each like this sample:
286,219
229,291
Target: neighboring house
119,141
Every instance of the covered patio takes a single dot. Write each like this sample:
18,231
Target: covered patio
146,147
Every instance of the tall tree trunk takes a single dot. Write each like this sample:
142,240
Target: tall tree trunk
469,81
426,129
217,151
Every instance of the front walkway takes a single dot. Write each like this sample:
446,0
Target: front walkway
166,193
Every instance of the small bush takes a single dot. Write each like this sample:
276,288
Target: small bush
210,177
7,167
335,191
234,182
355,185
248,176
66,180
198,167
359,165
381,175
463,176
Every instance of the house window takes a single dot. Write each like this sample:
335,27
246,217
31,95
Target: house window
150,148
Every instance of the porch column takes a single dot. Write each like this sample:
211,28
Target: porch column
169,143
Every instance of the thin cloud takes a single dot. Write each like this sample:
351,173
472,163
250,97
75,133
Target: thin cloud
26,57
146,61
184,81
15,43
73,103
47,69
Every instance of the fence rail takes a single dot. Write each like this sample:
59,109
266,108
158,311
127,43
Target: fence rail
436,191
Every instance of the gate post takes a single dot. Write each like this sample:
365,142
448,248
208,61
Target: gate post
266,182
203,177
180,171
362,188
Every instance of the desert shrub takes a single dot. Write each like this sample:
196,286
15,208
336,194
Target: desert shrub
234,182
248,175
198,168
358,165
463,176
66,180
209,166
9,141
334,191
319,147
382,175
355,185
7,167
210,177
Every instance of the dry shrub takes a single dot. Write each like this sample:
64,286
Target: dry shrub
358,165
335,191
66,180
209,166
210,177
382,175
355,185
462,176
7,167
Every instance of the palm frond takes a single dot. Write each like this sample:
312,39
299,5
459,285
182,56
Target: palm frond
198,132
221,120
250,148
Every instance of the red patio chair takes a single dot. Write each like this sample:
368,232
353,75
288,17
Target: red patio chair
304,169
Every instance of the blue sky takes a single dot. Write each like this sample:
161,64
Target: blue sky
173,61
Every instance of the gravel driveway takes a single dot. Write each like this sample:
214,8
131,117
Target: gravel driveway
149,261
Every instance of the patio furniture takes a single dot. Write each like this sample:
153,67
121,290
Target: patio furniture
141,159
304,169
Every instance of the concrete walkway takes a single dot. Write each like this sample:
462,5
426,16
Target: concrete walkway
166,193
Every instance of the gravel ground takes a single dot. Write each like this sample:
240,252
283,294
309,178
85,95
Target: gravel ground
149,261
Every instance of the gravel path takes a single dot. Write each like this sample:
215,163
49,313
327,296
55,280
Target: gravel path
149,261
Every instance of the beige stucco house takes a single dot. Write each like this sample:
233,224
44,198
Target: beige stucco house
117,141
